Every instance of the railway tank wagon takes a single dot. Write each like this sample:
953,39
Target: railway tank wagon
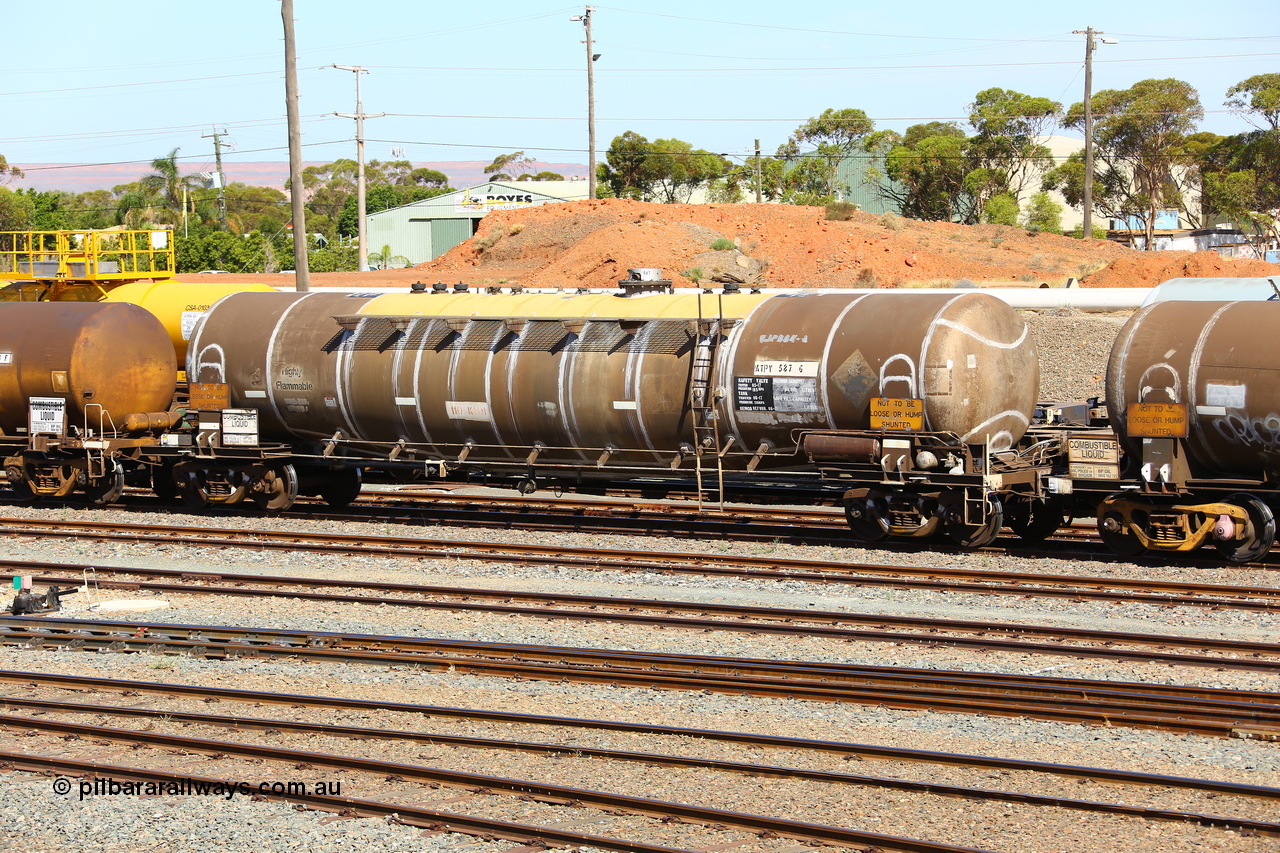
1195,402
560,388
82,386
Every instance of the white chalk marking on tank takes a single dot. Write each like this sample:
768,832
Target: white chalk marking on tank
980,429
634,389
1174,391
826,355
451,385
417,384
926,343
397,365
513,359
971,360
1118,360
909,377
488,399
965,330
1193,372
270,370
1170,354
200,364
564,392
342,383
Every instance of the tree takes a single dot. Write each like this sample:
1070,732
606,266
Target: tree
673,169
253,208
1001,209
542,176
929,166
16,210
818,146
383,197
623,166
8,173
666,170
1139,135
516,162
1043,214
1006,151
386,260
1262,91
427,178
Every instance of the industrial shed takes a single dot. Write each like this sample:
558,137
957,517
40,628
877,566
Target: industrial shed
425,230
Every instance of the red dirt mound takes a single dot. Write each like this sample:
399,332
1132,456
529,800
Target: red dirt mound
593,244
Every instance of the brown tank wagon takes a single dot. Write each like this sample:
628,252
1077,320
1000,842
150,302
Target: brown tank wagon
571,387
1194,389
76,378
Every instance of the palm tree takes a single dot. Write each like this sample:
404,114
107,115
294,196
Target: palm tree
384,259
159,195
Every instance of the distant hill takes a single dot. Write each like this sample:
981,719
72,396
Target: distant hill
78,178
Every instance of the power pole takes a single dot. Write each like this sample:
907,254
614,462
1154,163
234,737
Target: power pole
362,246
1089,46
591,103
302,272
758,200
217,157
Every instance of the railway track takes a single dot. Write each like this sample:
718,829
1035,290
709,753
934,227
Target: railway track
1206,711
938,578
1246,798
839,625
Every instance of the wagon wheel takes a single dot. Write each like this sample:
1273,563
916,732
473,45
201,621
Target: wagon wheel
186,485
162,482
1033,519
1259,534
279,489
341,487
976,535
108,488
1119,541
868,516
18,482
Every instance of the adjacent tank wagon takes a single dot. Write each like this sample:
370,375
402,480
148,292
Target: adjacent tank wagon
73,377
1195,402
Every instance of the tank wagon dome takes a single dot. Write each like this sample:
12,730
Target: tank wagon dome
105,360
1218,361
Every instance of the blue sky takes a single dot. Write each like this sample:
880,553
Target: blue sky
103,83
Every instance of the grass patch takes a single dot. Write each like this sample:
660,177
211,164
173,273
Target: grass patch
724,244
840,211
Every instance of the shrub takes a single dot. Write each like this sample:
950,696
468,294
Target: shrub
892,221
1001,209
840,211
867,279
1043,214
487,242
694,274
724,244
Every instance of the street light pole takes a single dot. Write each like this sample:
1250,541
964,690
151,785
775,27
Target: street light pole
362,246
591,103
1089,46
